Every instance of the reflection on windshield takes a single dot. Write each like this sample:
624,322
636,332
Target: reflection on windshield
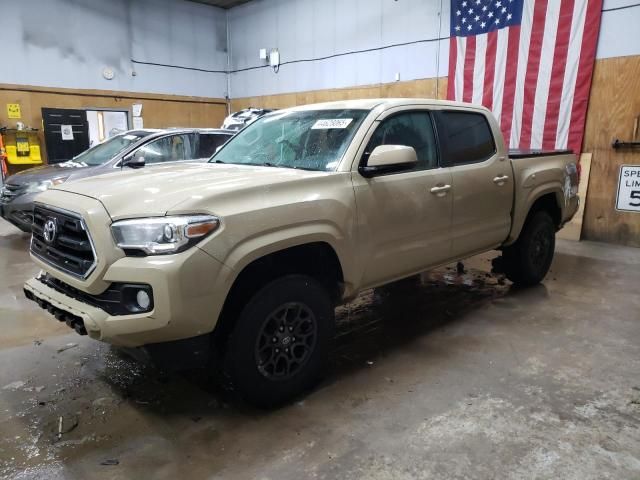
310,140
105,151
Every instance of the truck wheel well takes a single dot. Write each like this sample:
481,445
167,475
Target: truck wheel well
318,260
547,203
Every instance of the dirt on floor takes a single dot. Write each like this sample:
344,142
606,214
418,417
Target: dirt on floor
453,374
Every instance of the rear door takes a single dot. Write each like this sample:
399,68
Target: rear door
66,133
482,186
404,217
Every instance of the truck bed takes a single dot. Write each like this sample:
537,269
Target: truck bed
538,172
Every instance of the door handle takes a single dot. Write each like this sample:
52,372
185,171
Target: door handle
440,190
501,179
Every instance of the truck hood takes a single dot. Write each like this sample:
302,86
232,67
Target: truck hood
182,187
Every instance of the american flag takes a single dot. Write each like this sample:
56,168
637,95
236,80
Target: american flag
530,62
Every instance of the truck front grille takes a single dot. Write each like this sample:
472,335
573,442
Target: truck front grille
61,239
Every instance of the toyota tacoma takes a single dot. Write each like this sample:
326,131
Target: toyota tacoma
243,259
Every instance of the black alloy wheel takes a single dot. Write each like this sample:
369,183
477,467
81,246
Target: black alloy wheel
286,341
280,343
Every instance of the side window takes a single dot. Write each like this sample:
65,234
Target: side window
167,149
208,144
412,129
467,136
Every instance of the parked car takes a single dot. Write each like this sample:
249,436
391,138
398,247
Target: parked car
240,119
243,259
144,146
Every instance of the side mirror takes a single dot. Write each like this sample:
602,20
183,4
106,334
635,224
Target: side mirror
135,160
388,159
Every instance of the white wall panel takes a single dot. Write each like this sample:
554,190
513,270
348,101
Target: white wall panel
307,29
619,30
67,43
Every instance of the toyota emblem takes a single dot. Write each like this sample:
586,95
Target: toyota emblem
50,230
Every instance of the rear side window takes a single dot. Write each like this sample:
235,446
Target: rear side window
467,137
171,148
209,142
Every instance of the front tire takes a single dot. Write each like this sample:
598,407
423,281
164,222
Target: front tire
527,261
279,346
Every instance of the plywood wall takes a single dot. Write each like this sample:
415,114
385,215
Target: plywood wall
613,107
424,88
158,111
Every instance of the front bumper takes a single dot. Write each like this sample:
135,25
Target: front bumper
19,211
186,300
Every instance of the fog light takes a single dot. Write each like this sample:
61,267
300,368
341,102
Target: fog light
143,299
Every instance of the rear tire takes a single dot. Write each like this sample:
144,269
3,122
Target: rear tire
280,343
527,261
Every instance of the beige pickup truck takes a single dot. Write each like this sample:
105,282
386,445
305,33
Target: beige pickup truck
242,260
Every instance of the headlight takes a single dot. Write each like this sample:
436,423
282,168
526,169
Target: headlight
163,235
34,187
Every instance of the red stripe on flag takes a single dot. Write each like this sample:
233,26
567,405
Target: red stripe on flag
585,71
557,74
469,61
513,47
489,69
451,80
533,68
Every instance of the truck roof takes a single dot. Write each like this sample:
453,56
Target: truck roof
371,103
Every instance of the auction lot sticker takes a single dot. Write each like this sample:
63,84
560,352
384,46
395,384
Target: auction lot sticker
332,123
629,189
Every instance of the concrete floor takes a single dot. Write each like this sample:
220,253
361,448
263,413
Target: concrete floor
443,376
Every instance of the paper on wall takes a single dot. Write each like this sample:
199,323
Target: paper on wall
138,123
67,132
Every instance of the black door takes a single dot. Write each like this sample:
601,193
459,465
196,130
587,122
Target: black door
66,133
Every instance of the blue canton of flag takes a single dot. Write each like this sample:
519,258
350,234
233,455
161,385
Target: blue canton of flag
474,17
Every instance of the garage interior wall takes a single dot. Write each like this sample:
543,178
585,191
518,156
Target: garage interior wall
56,50
330,49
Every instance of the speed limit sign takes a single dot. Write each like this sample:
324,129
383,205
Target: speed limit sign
629,189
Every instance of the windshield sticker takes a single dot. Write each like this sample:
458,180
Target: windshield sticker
130,137
332,123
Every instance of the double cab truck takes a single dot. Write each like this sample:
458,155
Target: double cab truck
240,262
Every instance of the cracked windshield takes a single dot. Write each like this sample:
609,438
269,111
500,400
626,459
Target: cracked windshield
308,140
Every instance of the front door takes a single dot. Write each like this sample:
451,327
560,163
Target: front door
66,133
482,185
402,220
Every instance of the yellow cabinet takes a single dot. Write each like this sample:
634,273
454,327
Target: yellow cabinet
22,147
